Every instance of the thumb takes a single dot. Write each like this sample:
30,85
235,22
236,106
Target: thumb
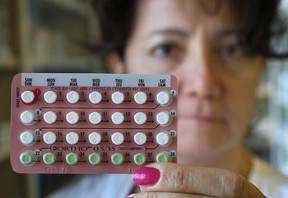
171,177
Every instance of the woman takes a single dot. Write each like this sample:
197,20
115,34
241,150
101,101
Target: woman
217,50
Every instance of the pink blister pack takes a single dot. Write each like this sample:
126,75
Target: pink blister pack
92,123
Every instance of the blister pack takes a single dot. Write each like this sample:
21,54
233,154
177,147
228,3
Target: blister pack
92,123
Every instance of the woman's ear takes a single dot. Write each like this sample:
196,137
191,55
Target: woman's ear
263,62
115,64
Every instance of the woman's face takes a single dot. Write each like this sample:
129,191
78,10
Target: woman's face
216,79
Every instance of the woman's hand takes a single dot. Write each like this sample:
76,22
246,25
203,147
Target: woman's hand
178,181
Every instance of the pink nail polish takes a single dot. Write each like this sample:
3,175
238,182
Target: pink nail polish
145,176
131,196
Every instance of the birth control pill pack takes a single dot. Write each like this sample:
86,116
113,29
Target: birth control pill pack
92,123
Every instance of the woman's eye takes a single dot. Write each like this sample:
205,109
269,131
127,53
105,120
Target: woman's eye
231,50
165,50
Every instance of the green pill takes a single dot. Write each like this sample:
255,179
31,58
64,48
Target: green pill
162,157
140,158
94,158
117,159
26,158
72,158
49,158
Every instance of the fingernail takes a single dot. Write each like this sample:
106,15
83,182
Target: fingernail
131,196
145,176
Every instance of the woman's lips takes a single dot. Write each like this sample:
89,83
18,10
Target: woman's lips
203,118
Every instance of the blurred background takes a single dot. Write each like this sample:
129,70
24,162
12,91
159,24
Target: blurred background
48,36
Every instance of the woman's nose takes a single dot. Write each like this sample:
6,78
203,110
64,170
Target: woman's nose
201,78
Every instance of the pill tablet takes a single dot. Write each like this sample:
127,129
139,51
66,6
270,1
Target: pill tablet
140,159
163,157
117,159
72,158
28,96
95,117
117,138
140,138
140,97
27,137
164,118
95,97
49,137
27,117
118,97
72,97
140,118
163,139
72,138
50,117
117,118
164,98
27,158
94,158
72,117
50,97
49,158
95,138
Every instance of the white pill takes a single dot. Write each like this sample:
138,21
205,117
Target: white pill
28,96
50,97
72,117
118,97
117,118
27,117
95,97
163,139
50,117
27,138
95,138
140,138
117,138
164,98
140,118
72,97
95,117
163,118
140,97
49,138
72,138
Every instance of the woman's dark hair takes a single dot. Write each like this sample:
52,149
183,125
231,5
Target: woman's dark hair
258,27
116,18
